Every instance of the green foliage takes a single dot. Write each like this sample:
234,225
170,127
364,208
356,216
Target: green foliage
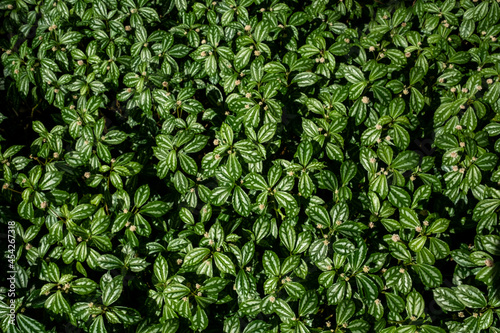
250,166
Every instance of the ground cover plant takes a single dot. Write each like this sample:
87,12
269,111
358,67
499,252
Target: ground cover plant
250,166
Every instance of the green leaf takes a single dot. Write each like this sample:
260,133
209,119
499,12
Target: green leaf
195,256
27,324
415,304
283,310
345,310
161,269
112,291
254,181
305,79
141,195
470,296
406,160
285,199
241,201
83,286
109,261
319,215
98,326
399,197
408,218
200,319
271,263
447,299
224,264
50,181
353,74
82,211
155,208
430,275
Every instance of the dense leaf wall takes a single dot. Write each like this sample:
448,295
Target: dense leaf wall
251,166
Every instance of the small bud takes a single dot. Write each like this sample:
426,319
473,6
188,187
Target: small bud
128,28
453,154
10,7
365,100
489,262
465,90
408,54
248,28
453,89
454,168
458,127
489,81
395,238
237,82
132,228
401,270
86,175
418,228
426,223
371,49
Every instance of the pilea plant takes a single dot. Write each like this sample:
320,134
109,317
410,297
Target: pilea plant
250,166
